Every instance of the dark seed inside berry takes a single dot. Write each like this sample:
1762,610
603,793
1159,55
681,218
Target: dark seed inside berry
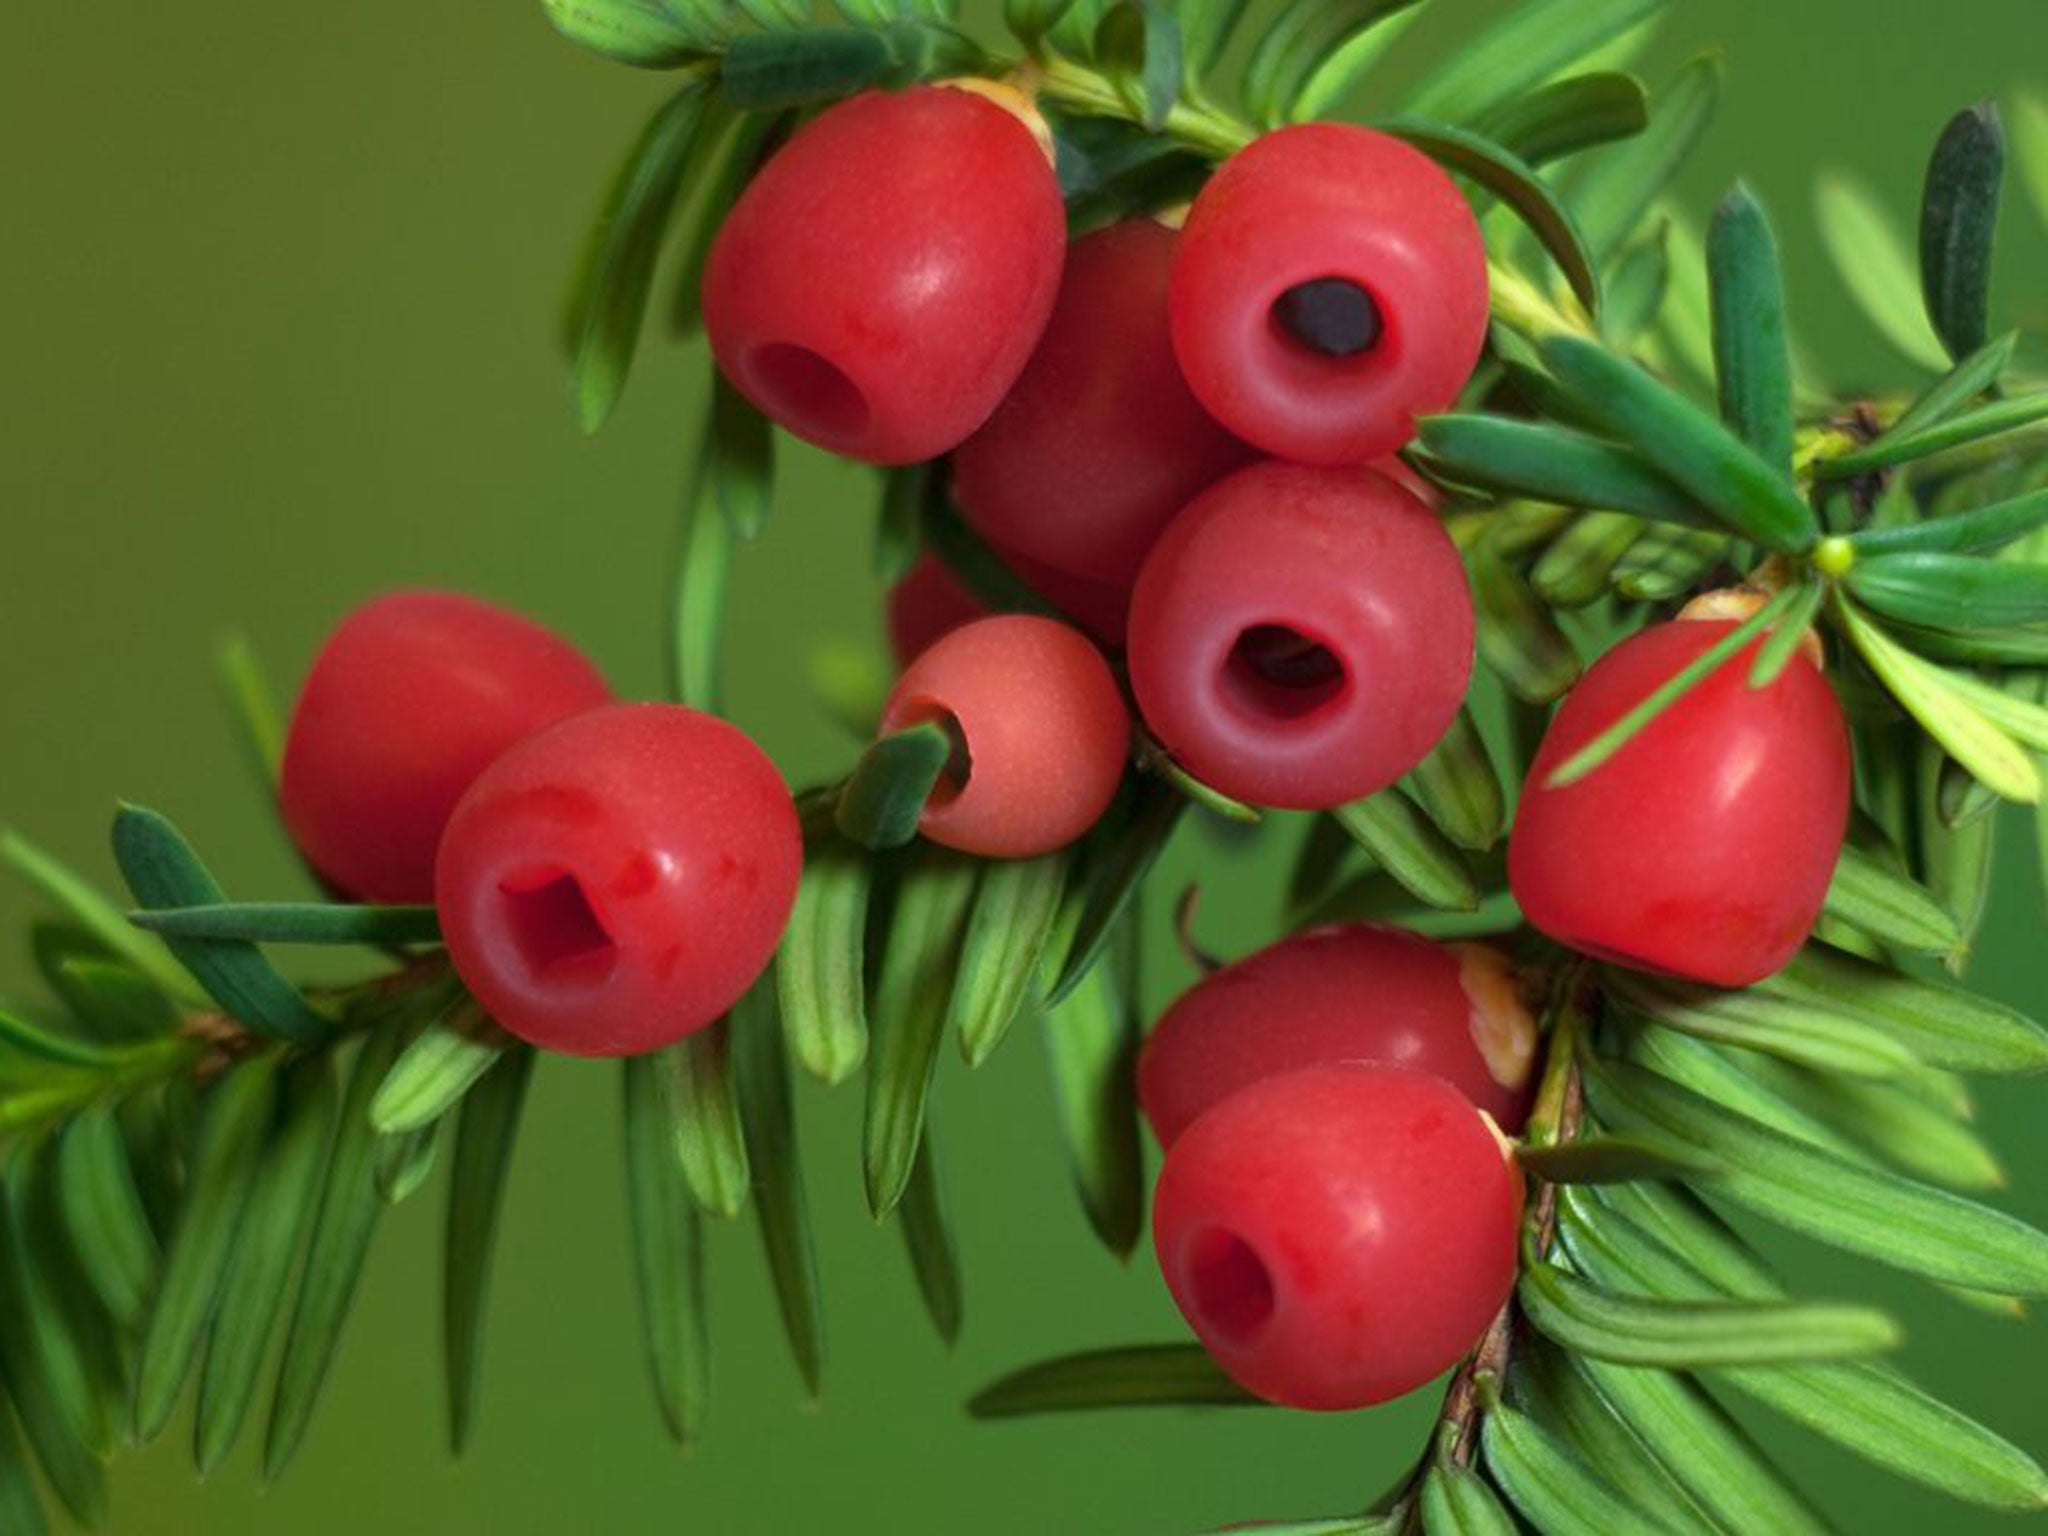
1332,316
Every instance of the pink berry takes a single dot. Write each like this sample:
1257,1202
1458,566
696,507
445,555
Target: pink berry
618,881
1100,443
1705,846
413,696
880,284
1301,637
1339,1236
1330,287
1045,730
1357,994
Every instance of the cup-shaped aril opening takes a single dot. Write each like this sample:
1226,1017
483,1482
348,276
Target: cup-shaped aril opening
1278,675
958,768
1328,318
1229,1286
807,391
554,929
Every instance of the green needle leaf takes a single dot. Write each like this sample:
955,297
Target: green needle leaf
668,1253
1517,185
1610,1160
1629,726
1138,1376
1753,359
1016,910
1529,45
163,871
44,1373
1689,446
911,1001
618,271
761,1079
406,1161
69,892
1575,568
1553,463
1091,1042
294,922
1550,1483
1909,1226
703,571
885,795
709,1140
1620,188
1458,788
1890,907
1969,379
1944,1026
2030,144
1831,1041
485,1135
1456,1502
238,1114
449,1057
1138,42
20,1511
1976,532
1566,116
1958,220
1519,639
1693,1335
1665,563
1334,48
1928,694
652,34
104,1213
1788,635
1952,591
1389,827
821,966
347,1219
928,1237
1971,427
254,706
1874,262
258,1272
1109,866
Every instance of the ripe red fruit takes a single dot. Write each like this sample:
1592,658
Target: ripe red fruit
1044,727
1705,846
928,602
618,881
1100,443
880,284
413,695
1339,1236
1101,608
1301,637
1330,286
1356,994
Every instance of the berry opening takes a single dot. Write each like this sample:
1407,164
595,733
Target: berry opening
1329,316
1280,675
554,929
1230,1286
807,391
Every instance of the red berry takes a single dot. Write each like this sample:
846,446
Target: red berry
618,881
413,696
1101,608
1343,995
1301,637
880,284
928,602
1100,443
1330,287
1704,847
1045,730
1339,1236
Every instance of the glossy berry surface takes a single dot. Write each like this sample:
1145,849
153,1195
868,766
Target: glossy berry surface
617,882
928,602
1340,1236
1330,287
1704,847
1045,732
1101,608
1100,443
412,696
1353,994
879,285
1301,637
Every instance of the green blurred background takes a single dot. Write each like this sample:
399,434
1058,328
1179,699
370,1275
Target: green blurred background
280,285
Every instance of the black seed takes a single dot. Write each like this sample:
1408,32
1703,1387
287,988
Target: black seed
1330,315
